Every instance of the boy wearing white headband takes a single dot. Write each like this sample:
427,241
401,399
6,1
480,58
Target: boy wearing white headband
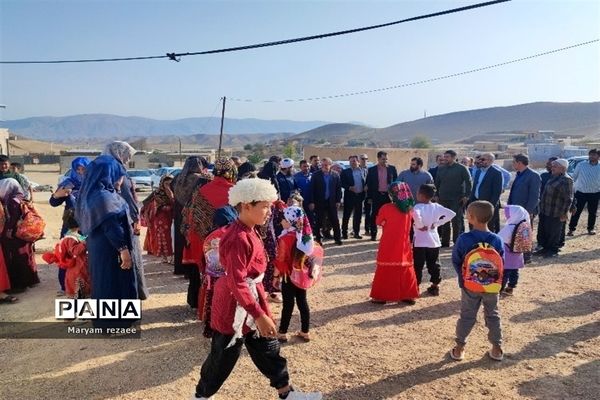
240,312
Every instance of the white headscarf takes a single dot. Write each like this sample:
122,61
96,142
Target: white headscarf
9,187
514,214
122,151
300,225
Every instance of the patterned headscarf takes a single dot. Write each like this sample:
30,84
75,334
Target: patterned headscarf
401,196
122,151
299,224
225,168
160,195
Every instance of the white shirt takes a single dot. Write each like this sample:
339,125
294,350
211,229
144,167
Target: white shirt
430,215
587,177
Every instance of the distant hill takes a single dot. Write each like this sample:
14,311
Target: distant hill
563,118
98,126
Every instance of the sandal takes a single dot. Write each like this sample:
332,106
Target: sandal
303,336
282,337
490,353
459,357
8,299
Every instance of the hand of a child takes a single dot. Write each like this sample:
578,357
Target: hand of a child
266,326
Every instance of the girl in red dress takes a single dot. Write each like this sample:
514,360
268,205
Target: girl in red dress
70,254
157,214
395,278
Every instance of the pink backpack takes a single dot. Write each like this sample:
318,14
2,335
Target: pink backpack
310,272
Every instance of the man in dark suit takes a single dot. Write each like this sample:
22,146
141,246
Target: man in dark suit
487,185
525,190
353,181
378,179
326,195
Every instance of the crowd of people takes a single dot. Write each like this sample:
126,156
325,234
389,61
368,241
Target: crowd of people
245,236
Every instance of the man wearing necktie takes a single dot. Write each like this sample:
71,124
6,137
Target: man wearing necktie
487,185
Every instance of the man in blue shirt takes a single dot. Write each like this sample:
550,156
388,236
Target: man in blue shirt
302,180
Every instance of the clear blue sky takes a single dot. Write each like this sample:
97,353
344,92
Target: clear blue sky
403,53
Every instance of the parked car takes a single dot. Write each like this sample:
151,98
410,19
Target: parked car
141,177
573,161
162,172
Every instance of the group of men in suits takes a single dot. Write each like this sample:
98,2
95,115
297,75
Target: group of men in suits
365,191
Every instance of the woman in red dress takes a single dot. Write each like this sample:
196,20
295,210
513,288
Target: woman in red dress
157,214
395,278
198,218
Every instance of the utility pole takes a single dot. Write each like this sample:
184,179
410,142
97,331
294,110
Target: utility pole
221,135
180,155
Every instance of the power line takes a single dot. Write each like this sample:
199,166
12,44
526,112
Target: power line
177,56
439,78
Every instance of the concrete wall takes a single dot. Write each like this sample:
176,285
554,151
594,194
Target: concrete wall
4,141
400,158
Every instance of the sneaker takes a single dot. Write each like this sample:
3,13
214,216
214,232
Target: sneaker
203,398
339,242
551,254
295,395
570,233
508,291
410,302
345,236
60,293
591,232
357,236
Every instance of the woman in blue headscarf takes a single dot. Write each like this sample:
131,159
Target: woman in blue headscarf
103,217
67,192
122,152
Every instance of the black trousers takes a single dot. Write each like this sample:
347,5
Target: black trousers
367,208
328,211
194,286
310,215
220,362
549,233
353,204
379,199
583,199
457,224
429,256
291,293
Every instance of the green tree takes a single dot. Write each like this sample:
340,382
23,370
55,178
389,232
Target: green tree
248,147
289,151
255,158
420,142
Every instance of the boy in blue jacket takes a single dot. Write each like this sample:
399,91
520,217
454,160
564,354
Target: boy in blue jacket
479,213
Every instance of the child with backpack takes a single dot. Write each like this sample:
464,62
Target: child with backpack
427,218
295,244
70,254
517,237
478,260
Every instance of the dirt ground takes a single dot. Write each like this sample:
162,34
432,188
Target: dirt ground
359,350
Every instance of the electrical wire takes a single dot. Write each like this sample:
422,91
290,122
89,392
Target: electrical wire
177,56
439,78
